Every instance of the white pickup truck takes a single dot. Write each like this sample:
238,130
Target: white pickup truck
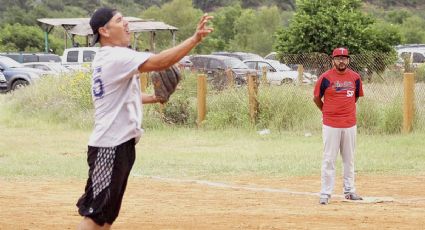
78,58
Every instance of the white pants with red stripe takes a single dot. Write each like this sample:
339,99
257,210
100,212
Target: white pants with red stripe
338,140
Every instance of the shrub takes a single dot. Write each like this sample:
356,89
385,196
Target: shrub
420,73
228,108
392,119
368,116
65,100
288,108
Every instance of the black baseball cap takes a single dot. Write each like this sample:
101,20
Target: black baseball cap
99,18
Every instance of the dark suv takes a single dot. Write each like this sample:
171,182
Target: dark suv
213,64
16,75
33,57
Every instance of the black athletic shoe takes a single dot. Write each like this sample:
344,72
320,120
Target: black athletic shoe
352,196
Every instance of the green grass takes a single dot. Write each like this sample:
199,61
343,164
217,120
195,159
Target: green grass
57,152
44,130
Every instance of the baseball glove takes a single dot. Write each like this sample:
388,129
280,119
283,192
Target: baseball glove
165,82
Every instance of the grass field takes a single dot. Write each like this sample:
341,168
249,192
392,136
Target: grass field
58,152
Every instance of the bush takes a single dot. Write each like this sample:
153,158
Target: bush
368,116
228,108
420,73
288,108
392,119
65,100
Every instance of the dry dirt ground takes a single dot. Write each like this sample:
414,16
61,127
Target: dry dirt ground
246,203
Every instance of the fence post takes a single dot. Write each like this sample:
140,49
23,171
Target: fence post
143,82
264,75
253,94
408,102
230,79
202,98
300,74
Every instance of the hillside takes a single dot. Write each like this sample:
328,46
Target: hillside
239,24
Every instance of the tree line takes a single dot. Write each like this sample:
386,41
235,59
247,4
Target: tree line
258,26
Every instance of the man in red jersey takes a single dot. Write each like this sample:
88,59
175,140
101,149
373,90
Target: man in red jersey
340,88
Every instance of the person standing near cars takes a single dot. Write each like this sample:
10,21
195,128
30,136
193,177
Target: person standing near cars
335,94
118,112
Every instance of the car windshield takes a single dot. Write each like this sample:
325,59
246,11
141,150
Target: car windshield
10,63
235,64
279,66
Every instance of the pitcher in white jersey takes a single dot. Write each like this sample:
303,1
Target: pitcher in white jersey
118,111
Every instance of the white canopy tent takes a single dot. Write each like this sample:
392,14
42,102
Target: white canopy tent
80,27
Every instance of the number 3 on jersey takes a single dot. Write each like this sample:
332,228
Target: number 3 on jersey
97,86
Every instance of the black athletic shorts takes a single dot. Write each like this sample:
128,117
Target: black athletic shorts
108,173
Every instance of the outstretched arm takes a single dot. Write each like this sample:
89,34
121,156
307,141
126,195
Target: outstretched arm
171,56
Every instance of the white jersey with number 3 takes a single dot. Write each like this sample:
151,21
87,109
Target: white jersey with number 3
116,96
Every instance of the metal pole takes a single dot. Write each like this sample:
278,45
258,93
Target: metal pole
46,41
174,37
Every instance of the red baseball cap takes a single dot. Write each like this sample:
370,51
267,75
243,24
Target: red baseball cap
340,52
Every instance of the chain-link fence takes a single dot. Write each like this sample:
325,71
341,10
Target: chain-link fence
285,95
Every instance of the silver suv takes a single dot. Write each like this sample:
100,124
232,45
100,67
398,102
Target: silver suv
16,75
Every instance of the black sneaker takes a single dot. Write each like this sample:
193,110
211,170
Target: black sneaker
352,196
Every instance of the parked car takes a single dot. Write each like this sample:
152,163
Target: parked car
186,63
271,56
51,68
3,82
239,55
212,64
16,75
32,57
278,73
413,52
78,57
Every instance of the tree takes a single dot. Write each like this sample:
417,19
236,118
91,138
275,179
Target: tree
254,30
178,13
322,25
412,30
19,37
319,26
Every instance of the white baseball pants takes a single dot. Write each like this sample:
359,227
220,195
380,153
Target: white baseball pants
338,140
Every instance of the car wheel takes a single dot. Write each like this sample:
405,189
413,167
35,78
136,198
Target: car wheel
239,81
18,84
287,81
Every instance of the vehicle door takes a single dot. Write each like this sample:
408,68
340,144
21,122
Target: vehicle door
272,74
254,65
417,58
215,66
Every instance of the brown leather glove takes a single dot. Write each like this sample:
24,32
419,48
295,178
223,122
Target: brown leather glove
165,82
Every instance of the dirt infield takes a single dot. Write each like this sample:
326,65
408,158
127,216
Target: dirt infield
154,203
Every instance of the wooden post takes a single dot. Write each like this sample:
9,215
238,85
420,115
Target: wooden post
143,82
253,93
300,74
264,75
230,78
408,103
202,98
